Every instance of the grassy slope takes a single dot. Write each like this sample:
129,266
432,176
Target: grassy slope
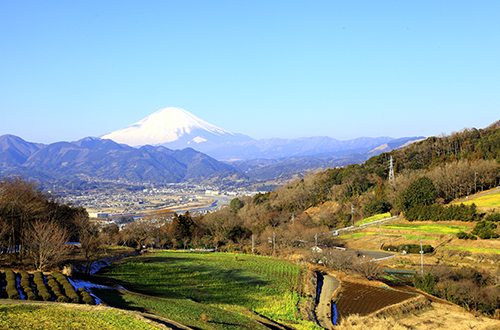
484,200
227,286
45,317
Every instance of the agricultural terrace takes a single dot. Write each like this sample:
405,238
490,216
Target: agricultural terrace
427,228
486,200
34,317
472,249
232,282
374,218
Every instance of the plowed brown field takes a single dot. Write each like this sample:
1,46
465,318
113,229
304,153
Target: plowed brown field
357,298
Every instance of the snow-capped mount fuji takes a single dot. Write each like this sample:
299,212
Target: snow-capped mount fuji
175,128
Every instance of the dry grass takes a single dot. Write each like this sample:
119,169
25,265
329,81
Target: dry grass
443,317
356,322
406,307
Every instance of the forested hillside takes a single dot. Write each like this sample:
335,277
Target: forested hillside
454,166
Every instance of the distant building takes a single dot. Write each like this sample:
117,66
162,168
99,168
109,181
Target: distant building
98,215
211,192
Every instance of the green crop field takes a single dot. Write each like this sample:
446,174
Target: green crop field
357,235
225,287
48,317
374,218
491,200
417,237
427,228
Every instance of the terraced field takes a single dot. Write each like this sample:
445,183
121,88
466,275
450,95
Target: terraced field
357,298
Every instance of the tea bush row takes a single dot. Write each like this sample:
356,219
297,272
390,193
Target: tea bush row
86,297
68,288
42,289
56,289
26,285
36,288
11,286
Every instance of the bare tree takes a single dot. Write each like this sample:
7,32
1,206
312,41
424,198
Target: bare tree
44,244
369,270
92,248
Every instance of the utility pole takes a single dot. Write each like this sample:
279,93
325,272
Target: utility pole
253,243
380,235
421,256
475,186
391,172
274,245
352,214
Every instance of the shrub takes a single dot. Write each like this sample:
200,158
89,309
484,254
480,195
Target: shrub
41,287
485,230
26,285
68,288
436,212
426,283
493,217
11,286
415,248
464,235
86,297
55,287
390,248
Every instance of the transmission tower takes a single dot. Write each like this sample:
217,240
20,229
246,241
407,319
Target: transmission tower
391,172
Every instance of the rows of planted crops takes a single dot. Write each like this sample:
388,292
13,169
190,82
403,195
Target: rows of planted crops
37,286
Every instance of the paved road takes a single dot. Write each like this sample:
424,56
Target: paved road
324,308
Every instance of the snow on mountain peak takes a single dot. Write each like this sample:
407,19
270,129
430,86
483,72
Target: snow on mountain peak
163,126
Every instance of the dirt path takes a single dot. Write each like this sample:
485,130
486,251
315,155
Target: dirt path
324,308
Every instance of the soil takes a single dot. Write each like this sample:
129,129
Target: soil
358,298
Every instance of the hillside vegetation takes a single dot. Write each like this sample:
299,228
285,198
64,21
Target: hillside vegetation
428,177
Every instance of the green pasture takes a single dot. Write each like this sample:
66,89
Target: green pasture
374,218
209,283
490,200
417,237
427,228
471,249
48,317
184,311
357,235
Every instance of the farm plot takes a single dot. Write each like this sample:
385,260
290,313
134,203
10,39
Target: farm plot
374,218
54,287
357,298
230,282
427,228
489,200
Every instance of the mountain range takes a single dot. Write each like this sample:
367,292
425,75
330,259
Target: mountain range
172,146
176,128
106,160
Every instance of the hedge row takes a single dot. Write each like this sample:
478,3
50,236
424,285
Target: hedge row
409,248
86,297
56,289
35,287
11,286
26,285
438,212
42,289
493,217
68,288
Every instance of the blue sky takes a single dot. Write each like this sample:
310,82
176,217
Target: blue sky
287,69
